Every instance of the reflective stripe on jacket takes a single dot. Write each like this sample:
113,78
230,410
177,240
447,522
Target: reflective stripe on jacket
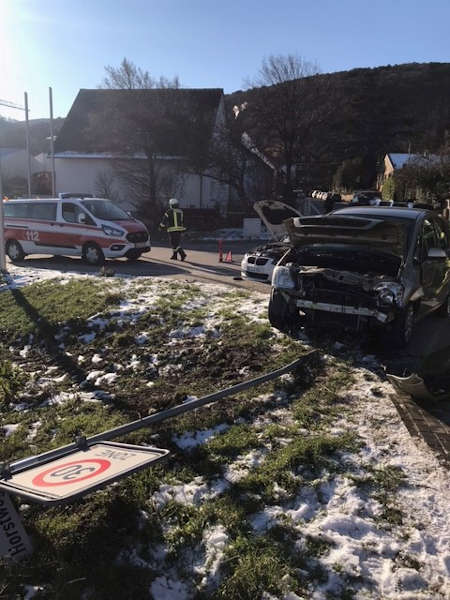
173,220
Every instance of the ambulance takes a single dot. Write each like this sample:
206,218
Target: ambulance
72,225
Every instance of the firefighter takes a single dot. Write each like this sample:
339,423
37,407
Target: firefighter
172,222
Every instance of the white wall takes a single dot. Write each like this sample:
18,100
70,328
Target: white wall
79,175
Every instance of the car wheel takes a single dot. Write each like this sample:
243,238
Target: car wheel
14,251
403,325
444,310
133,257
93,254
282,315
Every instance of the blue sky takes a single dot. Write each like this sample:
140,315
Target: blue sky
66,43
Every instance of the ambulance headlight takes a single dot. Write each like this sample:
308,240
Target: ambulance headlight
112,231
282,278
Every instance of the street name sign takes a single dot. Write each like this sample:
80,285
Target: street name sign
14,541
80,472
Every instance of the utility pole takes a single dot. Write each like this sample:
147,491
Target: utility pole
27,130
2,215
52,142
2,224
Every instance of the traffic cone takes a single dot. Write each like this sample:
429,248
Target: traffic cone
229,257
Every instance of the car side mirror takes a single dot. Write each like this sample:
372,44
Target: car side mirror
81,218
436,253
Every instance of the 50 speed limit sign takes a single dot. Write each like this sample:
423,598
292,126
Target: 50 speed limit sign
81,471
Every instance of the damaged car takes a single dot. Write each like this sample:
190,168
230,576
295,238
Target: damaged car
259,263
368,267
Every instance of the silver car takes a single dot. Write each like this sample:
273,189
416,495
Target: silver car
363,266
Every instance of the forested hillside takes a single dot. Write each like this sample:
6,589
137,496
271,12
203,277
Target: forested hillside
364,113
12,134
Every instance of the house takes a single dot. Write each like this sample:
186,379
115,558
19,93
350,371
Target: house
397,160
404,188
126,143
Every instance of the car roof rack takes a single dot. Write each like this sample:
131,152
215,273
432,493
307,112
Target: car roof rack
65,195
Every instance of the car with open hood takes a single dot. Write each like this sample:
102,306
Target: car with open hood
363,267
258,264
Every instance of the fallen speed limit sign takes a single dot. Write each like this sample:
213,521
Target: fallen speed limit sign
81,471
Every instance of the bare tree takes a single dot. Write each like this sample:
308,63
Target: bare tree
127,76
426,176
104,185
146,133
277,105
233,159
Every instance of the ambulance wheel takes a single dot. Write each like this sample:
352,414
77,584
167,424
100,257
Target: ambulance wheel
133,257
15,251
93,254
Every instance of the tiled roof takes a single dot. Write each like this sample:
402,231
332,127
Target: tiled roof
399,159
108,120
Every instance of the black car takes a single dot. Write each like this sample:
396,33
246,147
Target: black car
363,266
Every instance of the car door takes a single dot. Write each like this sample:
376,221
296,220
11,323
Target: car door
430,267
442,274
71,230
41,218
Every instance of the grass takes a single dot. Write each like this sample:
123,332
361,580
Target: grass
40,308
237,440
281,466
382,484
12,380
270,563
109,524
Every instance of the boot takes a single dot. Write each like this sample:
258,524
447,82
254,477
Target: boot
174,256
182,254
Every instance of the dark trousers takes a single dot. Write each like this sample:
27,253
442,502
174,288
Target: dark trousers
175,242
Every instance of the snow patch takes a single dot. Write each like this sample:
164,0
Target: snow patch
164,588
10,429
192,439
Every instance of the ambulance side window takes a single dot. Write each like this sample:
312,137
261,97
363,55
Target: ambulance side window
41,211
16,210
71,213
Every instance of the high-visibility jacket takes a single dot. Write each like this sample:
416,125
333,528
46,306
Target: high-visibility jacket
173,220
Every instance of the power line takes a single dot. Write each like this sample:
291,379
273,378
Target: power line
11,104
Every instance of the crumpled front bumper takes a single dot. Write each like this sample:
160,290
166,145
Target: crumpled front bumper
380,316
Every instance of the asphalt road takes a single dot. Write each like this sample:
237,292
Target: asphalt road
202,264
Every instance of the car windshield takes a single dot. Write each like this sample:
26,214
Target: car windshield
104,209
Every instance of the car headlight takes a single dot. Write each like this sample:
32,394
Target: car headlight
389,292
282,278
112,231
386,297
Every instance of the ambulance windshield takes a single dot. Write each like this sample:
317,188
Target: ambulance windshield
106,210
